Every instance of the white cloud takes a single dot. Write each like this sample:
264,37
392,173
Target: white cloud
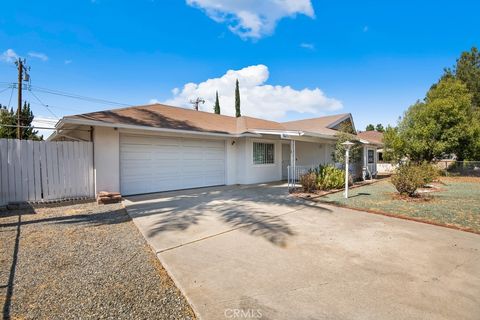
9,56
257,98
153,101
309,46
252,18
38,55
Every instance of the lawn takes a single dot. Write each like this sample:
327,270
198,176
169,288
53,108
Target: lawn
456,203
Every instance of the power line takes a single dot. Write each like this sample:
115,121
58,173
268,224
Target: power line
4,89
43,104
43,128
77,96
58,107
11,95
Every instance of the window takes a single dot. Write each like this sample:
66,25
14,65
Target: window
263,153
380,156
371,156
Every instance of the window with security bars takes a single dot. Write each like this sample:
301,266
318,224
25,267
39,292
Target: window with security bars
263,153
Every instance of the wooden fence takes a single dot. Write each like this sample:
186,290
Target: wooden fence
38,171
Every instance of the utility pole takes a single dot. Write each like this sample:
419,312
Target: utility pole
196,102
19,108
21,69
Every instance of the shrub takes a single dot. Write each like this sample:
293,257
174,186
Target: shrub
329,177
429,172
408,178
309,181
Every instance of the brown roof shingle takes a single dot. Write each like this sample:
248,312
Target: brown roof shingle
168,117
374,137
315,125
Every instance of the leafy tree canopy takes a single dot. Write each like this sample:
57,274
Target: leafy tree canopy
379,128
467,69
370,127
444,123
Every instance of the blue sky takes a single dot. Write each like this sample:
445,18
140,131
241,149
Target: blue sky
296,59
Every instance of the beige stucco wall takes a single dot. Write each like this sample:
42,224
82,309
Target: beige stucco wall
106,159
240,168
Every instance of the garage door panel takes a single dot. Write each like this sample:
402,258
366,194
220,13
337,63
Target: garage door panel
154,164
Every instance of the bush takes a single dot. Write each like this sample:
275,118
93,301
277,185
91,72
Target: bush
429,172
329,177
309,181
408,178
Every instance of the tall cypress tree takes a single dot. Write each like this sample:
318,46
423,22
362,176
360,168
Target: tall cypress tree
26,117
237,100
216,108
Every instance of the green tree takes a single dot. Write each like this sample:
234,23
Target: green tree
7,123
216,108
441,124
467,69
345,134
8,118
393,145
379,128
370,127
237,100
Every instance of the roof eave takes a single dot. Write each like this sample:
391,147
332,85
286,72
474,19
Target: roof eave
64,121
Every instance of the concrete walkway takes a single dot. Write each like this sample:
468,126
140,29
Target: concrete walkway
257,253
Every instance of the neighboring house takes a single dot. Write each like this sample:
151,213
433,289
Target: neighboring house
157,148
376,138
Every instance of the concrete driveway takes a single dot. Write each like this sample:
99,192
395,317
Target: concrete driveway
257,253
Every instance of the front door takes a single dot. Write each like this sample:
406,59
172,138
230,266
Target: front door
285,160
371,163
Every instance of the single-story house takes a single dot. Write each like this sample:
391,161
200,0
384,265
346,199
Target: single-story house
376,137
156,148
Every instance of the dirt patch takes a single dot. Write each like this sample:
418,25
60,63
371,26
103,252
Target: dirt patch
460,179
82,261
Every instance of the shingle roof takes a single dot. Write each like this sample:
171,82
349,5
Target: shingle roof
371,136
168,117
316,125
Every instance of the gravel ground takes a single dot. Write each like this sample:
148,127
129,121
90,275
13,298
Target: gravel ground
82,261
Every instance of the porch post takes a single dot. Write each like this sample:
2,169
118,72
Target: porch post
293,166
365,168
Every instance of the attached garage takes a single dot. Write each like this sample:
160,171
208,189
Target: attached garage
155,163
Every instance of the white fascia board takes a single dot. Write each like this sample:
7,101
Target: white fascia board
290,135
319,135
279,132
146,128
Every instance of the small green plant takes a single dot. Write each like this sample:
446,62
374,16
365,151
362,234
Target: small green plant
309,181
329,177
408,178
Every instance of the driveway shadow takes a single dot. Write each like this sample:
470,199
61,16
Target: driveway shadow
254,210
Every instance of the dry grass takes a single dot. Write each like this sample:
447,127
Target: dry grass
453,202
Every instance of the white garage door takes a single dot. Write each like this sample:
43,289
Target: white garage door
154,164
